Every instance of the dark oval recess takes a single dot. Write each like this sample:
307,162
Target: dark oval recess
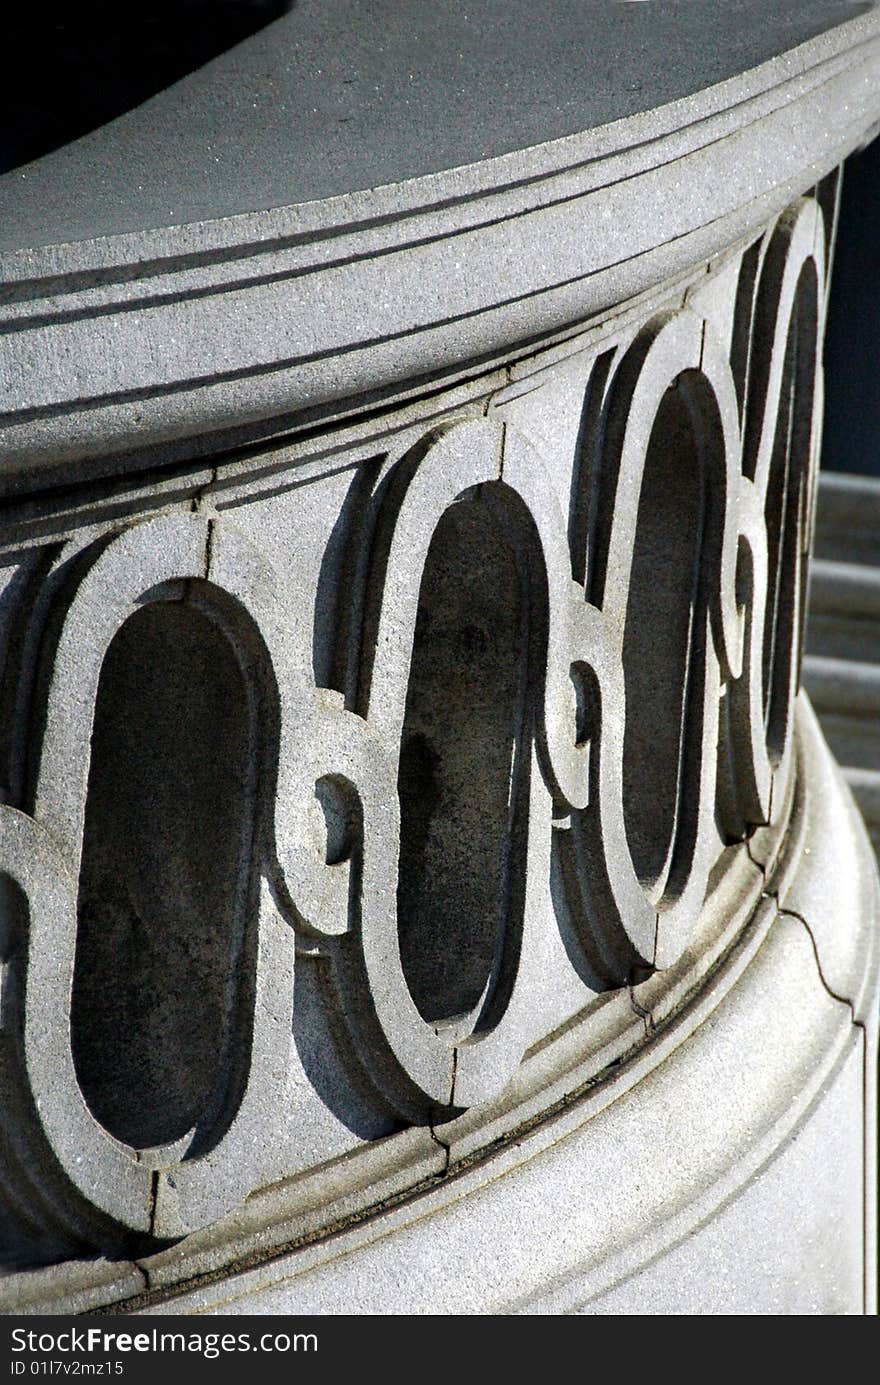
658,649
462,772
162,888
784,513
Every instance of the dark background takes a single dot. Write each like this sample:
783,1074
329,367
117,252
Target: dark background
852,341
68,68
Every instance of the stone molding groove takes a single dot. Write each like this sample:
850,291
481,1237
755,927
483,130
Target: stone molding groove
385,800
333,304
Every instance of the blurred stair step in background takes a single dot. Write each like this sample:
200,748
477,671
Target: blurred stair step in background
841,669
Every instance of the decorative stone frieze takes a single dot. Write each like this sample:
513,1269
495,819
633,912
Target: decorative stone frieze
391,797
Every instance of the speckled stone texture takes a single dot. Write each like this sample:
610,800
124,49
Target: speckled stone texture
423,884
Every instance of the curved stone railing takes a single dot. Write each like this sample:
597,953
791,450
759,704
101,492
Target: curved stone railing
398,798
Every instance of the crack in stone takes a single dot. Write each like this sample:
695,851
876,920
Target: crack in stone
154,1198
209,547
842,999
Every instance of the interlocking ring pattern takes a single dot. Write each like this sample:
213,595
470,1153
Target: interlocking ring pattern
625,708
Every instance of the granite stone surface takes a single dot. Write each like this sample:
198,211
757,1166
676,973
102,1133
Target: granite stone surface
424,886
332,99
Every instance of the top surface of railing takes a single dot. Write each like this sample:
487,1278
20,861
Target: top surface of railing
167,286
334,99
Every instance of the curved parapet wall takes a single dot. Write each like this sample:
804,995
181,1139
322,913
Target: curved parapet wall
408,804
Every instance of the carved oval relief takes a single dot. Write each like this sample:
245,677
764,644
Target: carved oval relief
781,418
458,599
663,573
160,705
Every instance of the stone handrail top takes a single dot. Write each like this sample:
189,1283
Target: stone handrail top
314,110
153,341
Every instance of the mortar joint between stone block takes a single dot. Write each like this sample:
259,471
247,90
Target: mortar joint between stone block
454,1074
644,1015
444,1146
154,1198
198,496
209,547
759,865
